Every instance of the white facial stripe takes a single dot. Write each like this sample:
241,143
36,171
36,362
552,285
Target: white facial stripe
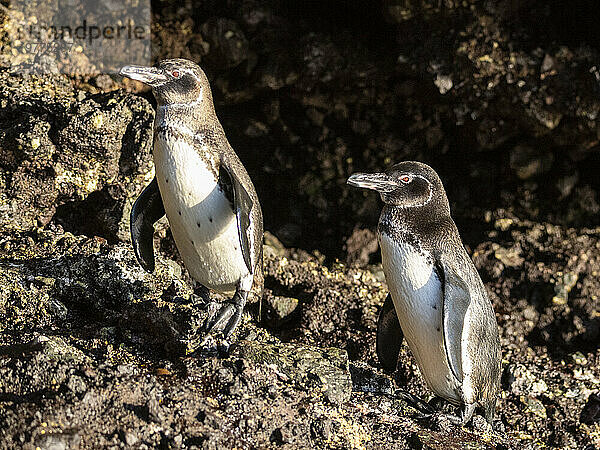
184,105
191,72
429,197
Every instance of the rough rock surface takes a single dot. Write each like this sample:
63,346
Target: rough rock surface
498,96
70,155
92,351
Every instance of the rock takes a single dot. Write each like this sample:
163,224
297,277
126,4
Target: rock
404,10
503,223
86,280
83,161
322,60
528,163
591,411
360,246
510,257
228,46
58,441
579,358
547,64
155,410
525,383
443,83
312,367
566,184
273,246
77,385
534,406
364,379
289,389
280,309
56,348
321,428
563,286
130,438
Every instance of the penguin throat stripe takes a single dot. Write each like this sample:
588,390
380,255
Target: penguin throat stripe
181,130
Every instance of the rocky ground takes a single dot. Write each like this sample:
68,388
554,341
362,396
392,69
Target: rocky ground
501,97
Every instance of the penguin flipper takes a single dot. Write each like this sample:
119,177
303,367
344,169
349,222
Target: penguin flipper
454,308
242,206
389,335
470,333
146,210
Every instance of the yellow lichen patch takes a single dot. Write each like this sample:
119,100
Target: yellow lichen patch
212,402
98,120
86,182
349,433
594,433
503,224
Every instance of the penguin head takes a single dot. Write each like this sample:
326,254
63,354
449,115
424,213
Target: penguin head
409,184
173,82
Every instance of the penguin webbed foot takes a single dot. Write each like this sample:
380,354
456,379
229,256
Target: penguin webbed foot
428,411
465,417
424,410
226,319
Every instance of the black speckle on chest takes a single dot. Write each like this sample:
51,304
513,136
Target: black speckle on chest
197,142
402,236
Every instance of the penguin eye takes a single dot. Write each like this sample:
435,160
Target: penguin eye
406,179
175,74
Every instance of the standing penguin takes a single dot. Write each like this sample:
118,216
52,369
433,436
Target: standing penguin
437,299
203,188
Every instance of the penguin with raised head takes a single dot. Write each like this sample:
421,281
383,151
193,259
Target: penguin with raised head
436,297
203,188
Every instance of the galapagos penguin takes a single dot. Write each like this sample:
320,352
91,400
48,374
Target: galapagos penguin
436,297
205,191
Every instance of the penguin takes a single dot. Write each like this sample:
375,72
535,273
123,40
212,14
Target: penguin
436,298
204,190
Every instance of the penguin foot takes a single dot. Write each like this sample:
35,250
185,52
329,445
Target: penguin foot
424,410
228,317
465,417
201,292
428,411
454,420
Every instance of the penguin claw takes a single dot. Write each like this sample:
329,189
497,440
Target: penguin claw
424,410
465,417
227,318
215,322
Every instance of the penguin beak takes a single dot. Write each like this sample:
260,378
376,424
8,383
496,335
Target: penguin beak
379,182
151,76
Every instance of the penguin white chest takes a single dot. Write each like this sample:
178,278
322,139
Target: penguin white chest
417,295
201,217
